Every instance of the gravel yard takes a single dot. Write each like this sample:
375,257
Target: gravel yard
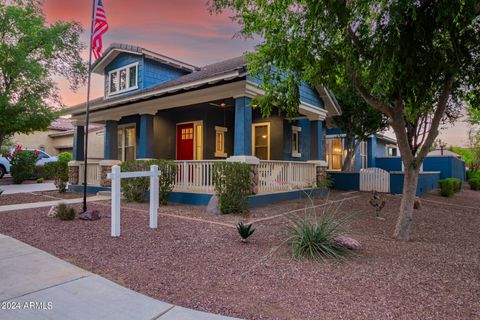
29,197
197,261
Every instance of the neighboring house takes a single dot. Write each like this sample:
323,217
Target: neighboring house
59,138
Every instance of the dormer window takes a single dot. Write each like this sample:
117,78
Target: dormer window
123,79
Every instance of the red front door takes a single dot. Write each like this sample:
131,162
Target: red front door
185,141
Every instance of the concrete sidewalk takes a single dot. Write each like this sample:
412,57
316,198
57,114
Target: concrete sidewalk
32,205
37,285
27,187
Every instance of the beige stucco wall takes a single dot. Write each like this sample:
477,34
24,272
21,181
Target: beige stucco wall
51,145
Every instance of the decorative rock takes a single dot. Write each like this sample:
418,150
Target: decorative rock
417,204
348,243
90,215
1,191
52,213
213,207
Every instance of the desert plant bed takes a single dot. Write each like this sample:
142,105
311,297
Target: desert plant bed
204,265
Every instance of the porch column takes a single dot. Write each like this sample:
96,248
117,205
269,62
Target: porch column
243,127
145,146
78,153
318,140
371,151
110,142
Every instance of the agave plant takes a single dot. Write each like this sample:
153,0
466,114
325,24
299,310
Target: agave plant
245,231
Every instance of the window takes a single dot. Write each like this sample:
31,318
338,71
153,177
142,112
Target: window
392,151
220,142
123,79
296,142
261,140
126,143
335,153
363,155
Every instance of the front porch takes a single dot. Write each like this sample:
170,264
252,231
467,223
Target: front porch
196,176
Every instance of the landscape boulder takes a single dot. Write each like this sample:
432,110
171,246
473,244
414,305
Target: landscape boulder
213,207
90,215
348,243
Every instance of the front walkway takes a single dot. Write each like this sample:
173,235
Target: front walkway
27,187
37,285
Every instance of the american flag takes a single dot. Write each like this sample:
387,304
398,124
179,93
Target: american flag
100,26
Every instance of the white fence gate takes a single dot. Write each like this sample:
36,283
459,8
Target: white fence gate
374,179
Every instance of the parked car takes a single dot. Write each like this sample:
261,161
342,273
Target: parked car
43,158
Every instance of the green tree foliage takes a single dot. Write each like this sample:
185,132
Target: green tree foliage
32,54
358,120
415,61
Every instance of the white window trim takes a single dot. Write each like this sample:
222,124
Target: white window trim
261,124
220,153
123,127
296,153
127,67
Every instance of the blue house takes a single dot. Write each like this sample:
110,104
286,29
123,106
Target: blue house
156,106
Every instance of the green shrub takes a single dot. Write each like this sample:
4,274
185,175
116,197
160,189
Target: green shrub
40,180
41,172
449,186
474,183
65,157
22,164
245,231
168,171
314,238
473,174
58,171
134,189
232,186
65,212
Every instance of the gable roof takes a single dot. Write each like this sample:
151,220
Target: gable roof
116,48
221,71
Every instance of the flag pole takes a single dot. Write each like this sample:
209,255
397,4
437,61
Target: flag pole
87,111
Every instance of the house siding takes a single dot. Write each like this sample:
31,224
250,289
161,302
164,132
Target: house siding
124,59
155,72
276,133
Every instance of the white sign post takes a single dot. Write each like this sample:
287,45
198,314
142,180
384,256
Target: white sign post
116,175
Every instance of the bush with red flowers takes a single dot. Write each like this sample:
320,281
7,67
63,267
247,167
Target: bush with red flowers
22,164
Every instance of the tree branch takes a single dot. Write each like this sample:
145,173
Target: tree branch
437,117
365,94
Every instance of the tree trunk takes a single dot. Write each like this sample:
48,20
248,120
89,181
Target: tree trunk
404,222
347,164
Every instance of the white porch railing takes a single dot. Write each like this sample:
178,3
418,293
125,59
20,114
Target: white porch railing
93,172
277,176
195,176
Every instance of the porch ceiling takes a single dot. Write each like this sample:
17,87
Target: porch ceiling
218,92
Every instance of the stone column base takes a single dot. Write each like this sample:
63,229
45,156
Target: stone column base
320,170
73,172
106,168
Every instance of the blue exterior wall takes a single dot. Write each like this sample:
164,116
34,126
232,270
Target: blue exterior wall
381,149
317,140
449,167
304,140
389,163
156,72
124,59
146,147
371,151
427,181
110,140
242,145
345,180
150,72
308,94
